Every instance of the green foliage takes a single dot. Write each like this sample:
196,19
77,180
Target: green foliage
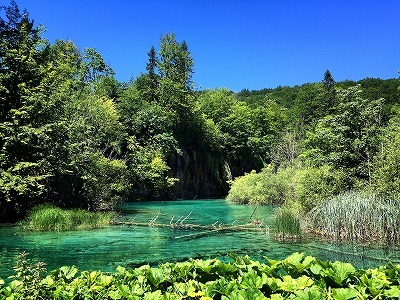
309,103
104,181
175,86
386,176
286,149
165,127
94,138
216,104
244,189
295,277
59,135
21,51
148,171
358,217
50,218
348,138
146,121
376,88
150,142
108,87
24,137
247,133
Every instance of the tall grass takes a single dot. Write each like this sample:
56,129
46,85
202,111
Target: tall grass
50,218
358,217
286,225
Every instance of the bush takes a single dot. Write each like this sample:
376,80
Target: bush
312,185
244,188
306,186
358,217
265,188
50,218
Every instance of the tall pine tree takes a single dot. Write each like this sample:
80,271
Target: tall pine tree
152,75
329,93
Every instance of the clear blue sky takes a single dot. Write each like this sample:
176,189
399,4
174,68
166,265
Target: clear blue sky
236,44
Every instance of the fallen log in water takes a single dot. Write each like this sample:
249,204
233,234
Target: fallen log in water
208,229
216,227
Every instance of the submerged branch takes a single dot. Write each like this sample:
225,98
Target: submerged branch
184,219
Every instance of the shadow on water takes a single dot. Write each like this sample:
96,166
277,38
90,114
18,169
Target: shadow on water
105,249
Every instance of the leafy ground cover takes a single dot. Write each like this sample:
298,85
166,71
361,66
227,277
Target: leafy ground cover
296,277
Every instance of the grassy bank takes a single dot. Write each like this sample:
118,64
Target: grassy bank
296,277
50,218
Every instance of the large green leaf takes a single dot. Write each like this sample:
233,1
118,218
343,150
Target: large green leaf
344,294
253,280
67,273
309,293
393,292
291,284
375,281
156,295
339,272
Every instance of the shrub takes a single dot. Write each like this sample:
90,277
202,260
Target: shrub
307,186
266,187
244,188
28,278
312,185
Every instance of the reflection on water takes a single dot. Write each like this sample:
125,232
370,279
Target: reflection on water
104,249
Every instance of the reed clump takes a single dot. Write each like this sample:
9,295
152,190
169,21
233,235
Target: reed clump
286,224
51,218
358,217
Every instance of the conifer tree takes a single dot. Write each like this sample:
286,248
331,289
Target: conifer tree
176,68
185,66
152,76
329,92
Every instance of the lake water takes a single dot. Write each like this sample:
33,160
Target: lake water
126,245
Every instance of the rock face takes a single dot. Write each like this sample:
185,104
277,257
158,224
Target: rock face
201,175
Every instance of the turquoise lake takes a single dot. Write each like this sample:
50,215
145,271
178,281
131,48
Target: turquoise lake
127,245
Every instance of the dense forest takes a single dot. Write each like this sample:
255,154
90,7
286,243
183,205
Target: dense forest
73,136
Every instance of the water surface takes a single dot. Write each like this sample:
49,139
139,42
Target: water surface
105,249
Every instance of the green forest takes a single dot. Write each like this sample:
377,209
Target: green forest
72,136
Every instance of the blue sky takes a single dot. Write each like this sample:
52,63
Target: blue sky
236,44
